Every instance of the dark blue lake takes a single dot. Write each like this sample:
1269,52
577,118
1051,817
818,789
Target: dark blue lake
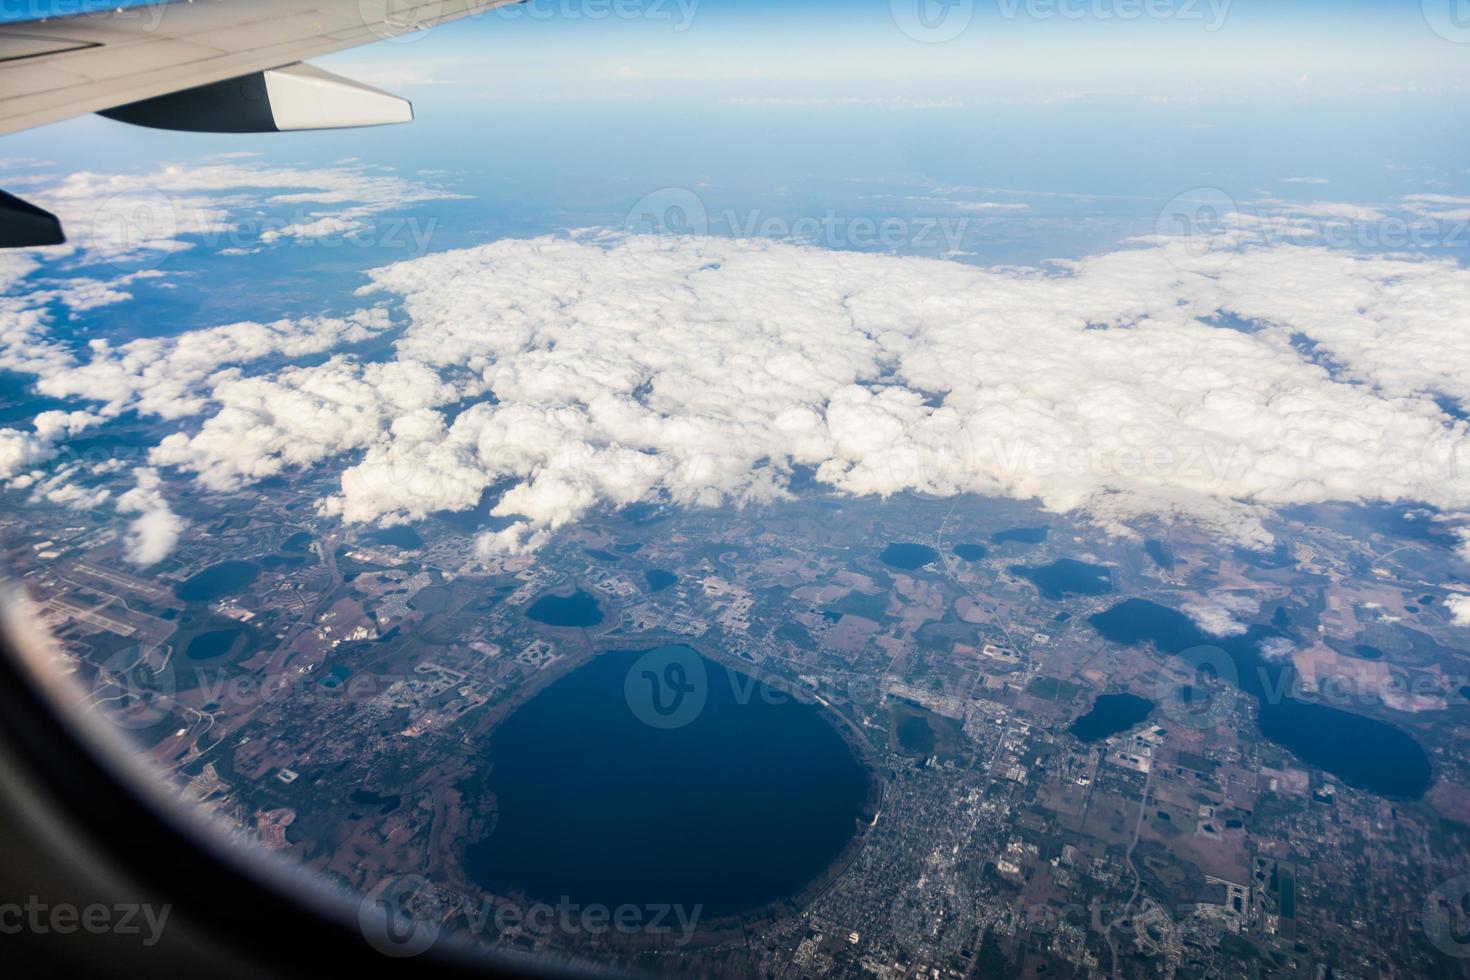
1364,752
215,643
1020,535
580,609
658,579
1111,714
217,580
970,552
1160,553
745,804
915,735
908,555
401,536
1067,577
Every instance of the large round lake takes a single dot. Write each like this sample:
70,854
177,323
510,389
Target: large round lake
612,790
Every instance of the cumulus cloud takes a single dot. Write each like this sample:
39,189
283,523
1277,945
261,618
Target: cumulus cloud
1330,210
140,219
703,370
165,376
1276,649
128,217
60,488
299,418
20,451
599,369
1459,607
1222,613
152,535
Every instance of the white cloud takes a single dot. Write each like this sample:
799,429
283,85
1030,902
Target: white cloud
601,369
703,369
21,450
165,376
1221,613
128,218
140,219
152,535
1276,649
1331,210
1459,607
299,418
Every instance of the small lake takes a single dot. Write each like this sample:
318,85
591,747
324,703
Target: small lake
744,804
908,555
1067,577
1361,751
215,643
658,579
401,536
970,552
915,735
226,578
1111,714
580,609
1160,553
1020,535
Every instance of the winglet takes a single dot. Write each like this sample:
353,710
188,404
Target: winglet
23,225
293,97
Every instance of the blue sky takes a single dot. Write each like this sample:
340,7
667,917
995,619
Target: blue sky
562,113
1046,135
1002,50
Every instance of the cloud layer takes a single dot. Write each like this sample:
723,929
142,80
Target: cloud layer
1136,386
704,370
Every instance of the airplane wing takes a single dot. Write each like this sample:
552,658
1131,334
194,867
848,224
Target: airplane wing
202,65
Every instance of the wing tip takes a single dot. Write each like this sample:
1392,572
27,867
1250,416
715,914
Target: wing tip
23,225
